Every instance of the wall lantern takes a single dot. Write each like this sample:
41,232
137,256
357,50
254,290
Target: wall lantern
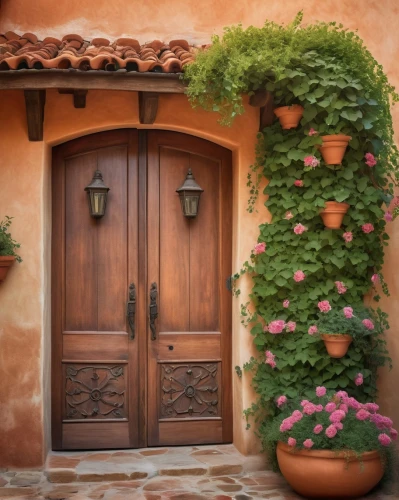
189,194
97,192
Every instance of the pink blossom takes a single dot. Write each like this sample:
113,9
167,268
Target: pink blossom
318,428
312,329
304,402
331,431
368,324
290,326
371,407
291,442
348,237
276,326
309,409
338,425
367,228
298,183
321,391
319,408
359,379
388,216
375,278
287,424
308,443
259,248
311,161
330,407
299,229
344,407
281,400
340,287
348,311
337,416
312,131
384,439
286,303
352,403
370,159
395,201
296,415
394,434
299,276
288,215
341,394
270,355
324,306
271,362
387,422
363,414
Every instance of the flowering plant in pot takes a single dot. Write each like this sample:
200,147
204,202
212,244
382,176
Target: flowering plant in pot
332,446
8,248
288,110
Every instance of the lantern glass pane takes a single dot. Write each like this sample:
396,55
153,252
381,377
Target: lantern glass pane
191,205
97,204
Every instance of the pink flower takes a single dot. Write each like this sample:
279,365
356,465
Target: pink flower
276,326
375,278
371,407
291,442
368,324
324,306
270,355
309,409
330,407
286,303
337,416
352,403
344,407
287,424
321,391
304,402
259,248
318,429
359,379
312,329
299,229
348,311
319,408
271,362
362,414
384,439
299,276
331,431
338,425
308,443
312,131
341,394
311,161
348,237
367,228
281,400
370,159
296,416
290,326
288,215
394,434
298,183
388,216
395,201
340,287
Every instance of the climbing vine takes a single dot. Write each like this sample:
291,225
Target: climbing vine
297,263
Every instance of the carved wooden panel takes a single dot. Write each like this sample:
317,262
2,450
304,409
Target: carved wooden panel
97,391
190,390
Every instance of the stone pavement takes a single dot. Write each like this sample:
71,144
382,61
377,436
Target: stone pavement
179,473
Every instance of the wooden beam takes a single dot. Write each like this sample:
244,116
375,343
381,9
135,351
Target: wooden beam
263,99
148,107
34,103
79,96
86,80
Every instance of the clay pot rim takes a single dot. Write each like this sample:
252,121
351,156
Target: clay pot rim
336,337
7,258
336,137
340,454
331,207
283,110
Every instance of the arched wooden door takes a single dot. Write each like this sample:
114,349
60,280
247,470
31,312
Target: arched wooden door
117,382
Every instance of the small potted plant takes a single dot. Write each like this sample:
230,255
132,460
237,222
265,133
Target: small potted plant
332,446
290,113
334,143
333,213
8,248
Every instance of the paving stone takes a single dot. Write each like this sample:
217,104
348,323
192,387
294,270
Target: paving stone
247,480
222,497
225,479
3,481
150,453
162,484
26,478
96,457
183,471
200,453
62,462
188,496
222,470
151,496
61,475
16,492
112,476
229,487
62,492
10,474
138,475
242,497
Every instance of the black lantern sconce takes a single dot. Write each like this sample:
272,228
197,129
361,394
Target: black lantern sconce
97,193
190,193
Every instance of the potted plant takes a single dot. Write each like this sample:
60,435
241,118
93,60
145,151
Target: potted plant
290,113
8,246
333,446
333,213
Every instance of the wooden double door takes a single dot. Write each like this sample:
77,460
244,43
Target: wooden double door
121,377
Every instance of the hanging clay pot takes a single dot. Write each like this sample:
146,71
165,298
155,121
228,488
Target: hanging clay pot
334,147
289,116
5,264
337,345
333,214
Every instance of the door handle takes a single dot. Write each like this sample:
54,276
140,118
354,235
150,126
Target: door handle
153,310
131,310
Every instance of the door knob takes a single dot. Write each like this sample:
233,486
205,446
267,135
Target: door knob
131,310
153,310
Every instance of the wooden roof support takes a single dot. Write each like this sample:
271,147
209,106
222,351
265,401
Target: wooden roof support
263,99
148,107
34,102
79,96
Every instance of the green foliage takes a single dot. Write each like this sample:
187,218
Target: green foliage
8,246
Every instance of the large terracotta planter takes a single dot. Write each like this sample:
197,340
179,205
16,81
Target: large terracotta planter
329,474
333,214
333,148
289,116
5,264
337,345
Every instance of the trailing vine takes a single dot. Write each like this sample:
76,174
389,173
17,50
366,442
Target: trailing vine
297,263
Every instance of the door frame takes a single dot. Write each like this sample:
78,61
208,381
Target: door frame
85,144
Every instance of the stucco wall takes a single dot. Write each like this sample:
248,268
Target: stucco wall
25,191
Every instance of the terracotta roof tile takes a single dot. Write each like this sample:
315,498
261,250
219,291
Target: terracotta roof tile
27,52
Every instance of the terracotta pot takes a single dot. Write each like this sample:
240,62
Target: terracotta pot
337,345
5,264
329,474
334,147
289,116
333,214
